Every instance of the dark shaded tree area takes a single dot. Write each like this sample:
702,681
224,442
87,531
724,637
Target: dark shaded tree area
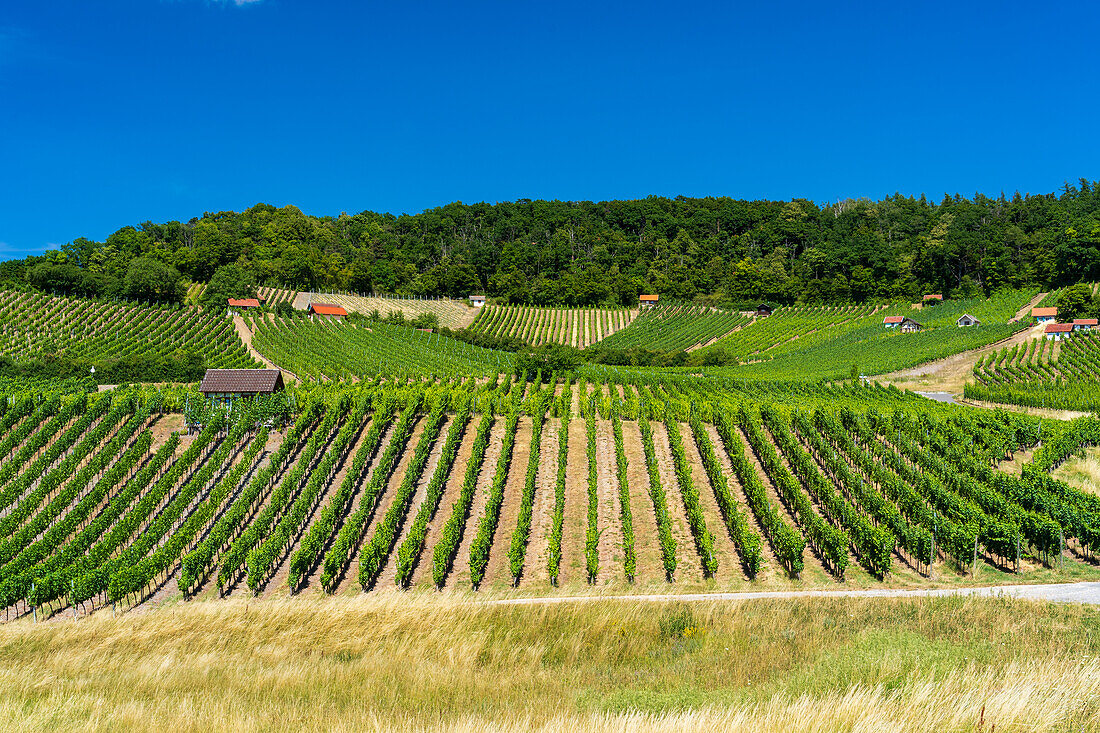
585,253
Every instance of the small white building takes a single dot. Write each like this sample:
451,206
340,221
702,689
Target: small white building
967,320
892,321
647,301
1084,324
908,325
1044,315
477,300
1058,331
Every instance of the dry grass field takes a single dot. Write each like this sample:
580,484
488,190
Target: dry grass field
389,662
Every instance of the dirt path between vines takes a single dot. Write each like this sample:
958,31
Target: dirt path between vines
542,511
647,543
460,571
729,562
575,525
246,336
388,577
279,582
498,569
422,573
610,544
688,564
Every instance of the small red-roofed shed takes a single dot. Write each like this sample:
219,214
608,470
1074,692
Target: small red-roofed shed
1044,315
244,303
1058,331
327,309
1084,324
892,321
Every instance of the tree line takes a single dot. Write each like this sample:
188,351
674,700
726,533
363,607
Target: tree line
591,253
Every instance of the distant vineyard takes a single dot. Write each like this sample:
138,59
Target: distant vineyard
501,483
788,324
35,326
452,314
1039,373
857,337
332,349
579,327
274,296
194,292
675,327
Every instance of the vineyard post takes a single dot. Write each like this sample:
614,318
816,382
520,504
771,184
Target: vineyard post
974,564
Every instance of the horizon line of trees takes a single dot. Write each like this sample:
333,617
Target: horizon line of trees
585,253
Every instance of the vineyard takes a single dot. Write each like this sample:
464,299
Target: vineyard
34,326
675,327
500,483
579,327
824,346
330,349
1040,373
273,296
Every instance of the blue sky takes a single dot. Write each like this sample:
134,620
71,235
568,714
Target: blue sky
119,111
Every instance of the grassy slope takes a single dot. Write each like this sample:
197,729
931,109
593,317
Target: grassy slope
397,662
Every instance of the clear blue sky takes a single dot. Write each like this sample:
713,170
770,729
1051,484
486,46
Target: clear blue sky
115,112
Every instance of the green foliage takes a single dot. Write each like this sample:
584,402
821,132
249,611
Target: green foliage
547,359
229,281
586,253
148,279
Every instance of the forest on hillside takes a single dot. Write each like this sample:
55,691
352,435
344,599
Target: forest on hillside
586,253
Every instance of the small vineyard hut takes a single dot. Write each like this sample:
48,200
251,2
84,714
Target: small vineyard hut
1058,331
1044,315
232,383
326,309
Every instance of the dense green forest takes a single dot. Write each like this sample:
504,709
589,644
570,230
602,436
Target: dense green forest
585,253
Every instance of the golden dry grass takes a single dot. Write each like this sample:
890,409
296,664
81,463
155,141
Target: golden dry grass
1082,471
427,663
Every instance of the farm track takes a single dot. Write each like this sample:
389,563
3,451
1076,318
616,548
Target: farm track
497,571
387,579
542,511
422,575
279,583
688,564
460,571
719,337
729,562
